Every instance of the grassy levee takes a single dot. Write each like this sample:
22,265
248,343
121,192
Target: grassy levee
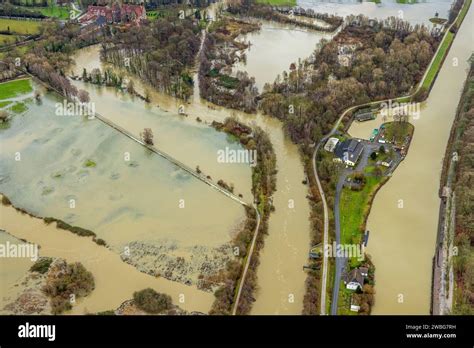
290,3
444,48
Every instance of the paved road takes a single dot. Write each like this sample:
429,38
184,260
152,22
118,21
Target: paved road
340,261
246,267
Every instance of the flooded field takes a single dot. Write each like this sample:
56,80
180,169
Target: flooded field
115,281
162,220
416,12
281,278
11,268
193,143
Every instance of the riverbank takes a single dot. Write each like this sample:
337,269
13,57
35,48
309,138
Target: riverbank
244,283
454,255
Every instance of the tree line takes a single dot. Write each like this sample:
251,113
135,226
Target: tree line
263,187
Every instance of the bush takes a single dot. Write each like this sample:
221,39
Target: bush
151,301
42,265
6,201
75,280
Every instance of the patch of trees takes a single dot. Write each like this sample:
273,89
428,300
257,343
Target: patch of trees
217,84
42,265
75,229
8,71
365,298
151,301
49,57
388,59
161,52
65,283
456,6
284,15
108,78
30,3
263,186
12,11
152,4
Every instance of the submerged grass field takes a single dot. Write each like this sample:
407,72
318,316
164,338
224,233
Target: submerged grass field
14,88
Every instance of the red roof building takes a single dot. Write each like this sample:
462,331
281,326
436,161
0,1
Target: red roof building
115,14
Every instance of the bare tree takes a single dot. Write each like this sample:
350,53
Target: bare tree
147,136
83,96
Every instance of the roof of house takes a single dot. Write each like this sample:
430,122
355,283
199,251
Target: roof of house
349,150
354,276
364,270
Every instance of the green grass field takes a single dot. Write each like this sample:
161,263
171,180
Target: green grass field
354,208
53,11
14,88
20,27
19,108
291,3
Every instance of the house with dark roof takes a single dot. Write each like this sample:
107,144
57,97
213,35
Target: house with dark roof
354,279
349,151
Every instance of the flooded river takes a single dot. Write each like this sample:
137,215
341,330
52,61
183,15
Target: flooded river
416,11
404,217
281,278
145,208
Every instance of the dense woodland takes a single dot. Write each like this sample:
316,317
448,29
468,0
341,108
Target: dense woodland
388,58
160,52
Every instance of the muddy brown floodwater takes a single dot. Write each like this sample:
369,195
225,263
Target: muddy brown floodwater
115,280
281,276
402,240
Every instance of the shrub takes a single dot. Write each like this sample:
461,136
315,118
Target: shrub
6,201
73,279
151,301
42,265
